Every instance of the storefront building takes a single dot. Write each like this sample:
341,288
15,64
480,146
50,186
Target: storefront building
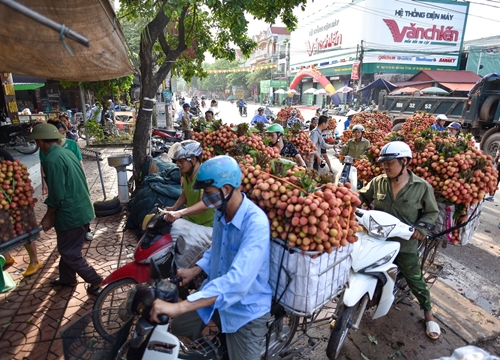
349,45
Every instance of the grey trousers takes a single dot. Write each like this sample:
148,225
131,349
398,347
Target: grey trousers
245,344
72,262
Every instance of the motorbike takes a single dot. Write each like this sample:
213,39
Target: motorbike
15,137
349,173
243,110
374,280
154,341
269,114
156,245
169,137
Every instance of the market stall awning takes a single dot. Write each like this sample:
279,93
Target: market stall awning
27,86
379,84
30,48
457,86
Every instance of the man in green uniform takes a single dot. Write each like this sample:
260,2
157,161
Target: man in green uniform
195,221
358,145
401,193
69,208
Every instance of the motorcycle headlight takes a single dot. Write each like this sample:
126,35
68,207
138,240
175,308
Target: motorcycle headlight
378,230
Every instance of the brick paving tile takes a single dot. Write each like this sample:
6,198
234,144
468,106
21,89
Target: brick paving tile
34,311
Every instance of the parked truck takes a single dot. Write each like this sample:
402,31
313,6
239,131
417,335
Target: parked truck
479,113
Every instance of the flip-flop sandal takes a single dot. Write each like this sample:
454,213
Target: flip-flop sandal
57,282
91,289
431,327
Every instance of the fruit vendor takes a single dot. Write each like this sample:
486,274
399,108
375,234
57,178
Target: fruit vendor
401,193
186,121
293,119
454,129
287,149
34,264
69,208
314,123
358,145
209,115
197,218
259,117
237,294
349,115
440,121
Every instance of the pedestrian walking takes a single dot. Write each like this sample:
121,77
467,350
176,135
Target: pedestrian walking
69,208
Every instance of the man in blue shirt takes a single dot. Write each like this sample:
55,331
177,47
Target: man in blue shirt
242,106
237,295
440,121
259,117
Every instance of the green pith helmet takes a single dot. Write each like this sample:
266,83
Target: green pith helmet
275,128
45,131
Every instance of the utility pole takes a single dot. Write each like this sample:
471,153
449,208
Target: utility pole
361,53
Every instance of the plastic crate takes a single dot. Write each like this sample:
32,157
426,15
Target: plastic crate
303,282
81,340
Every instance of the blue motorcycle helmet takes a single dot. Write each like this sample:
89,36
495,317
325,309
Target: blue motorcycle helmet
217,172
186,105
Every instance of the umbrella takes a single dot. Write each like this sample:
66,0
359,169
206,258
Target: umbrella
292,91
280,91
321,92
435,90
344,89
310,91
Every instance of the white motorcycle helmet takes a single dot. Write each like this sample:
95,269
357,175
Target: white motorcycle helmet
358,127
187,150
441,117
395,150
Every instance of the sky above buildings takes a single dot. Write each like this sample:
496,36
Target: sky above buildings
483,19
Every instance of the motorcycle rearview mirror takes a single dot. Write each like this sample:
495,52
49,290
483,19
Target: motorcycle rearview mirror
426,225
154,270
180,245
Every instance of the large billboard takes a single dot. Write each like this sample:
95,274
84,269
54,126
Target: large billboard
416,34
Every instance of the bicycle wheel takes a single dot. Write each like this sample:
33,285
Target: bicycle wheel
81,132
281,333
112,296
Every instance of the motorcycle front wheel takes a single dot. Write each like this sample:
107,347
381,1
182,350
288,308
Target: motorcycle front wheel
26,146
112,296
345,320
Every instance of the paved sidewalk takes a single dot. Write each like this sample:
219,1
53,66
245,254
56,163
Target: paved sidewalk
33,313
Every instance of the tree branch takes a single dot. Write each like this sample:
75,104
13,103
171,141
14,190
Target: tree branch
181,46
163,43
156,27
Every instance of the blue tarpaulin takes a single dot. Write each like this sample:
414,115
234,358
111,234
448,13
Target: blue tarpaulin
480,82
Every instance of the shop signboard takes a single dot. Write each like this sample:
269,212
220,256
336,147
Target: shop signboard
419,27
355,70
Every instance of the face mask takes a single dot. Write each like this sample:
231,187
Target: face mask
213,201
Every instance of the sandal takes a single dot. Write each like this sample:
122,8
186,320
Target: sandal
94,289
431,327
57,282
